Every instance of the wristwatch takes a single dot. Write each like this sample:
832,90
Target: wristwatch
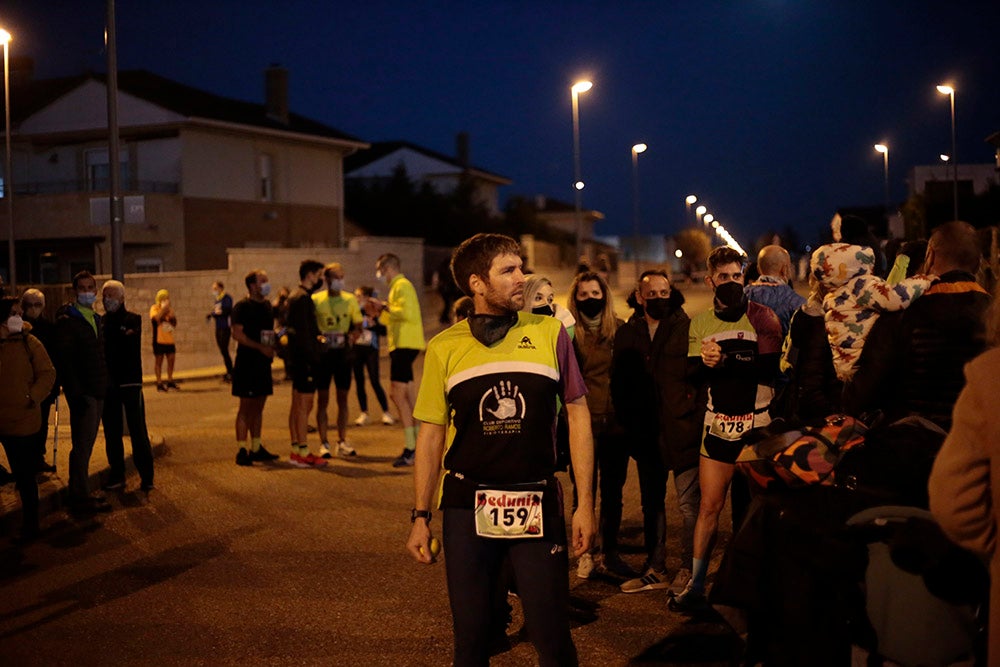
420,514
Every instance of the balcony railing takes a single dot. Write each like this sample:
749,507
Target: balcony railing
102,185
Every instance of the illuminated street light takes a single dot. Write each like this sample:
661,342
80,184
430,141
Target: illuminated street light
884,150
700,211
950,92
575,90
678,253
691,199
708,218
8,180
636,149
944,158
715,224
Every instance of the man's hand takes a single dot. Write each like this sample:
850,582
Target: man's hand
711,353
419,544
583,530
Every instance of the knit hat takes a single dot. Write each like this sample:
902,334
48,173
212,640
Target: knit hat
162,296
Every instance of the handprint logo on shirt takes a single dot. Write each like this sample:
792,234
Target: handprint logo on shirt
503,401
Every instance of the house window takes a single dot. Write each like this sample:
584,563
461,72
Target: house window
266,184
99,169
149,265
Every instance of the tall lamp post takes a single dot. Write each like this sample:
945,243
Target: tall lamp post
638,148
698,212
8,181
950,92
884,150
575,90
688,201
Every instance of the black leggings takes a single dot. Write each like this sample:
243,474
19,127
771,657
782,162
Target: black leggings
472,565
23,459
367,357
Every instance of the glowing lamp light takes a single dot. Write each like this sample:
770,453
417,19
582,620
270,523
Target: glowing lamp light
578,185
691,199
678,253
581,86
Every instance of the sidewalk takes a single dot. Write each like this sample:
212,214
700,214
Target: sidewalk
52,487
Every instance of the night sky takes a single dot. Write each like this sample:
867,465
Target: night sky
766,109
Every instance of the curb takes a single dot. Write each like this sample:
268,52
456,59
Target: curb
53,493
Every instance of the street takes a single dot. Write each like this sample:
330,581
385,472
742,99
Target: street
277,565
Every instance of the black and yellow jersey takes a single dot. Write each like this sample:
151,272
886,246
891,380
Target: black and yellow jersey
499,402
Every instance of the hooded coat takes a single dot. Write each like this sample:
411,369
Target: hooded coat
28,376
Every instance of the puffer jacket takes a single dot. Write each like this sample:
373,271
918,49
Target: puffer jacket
28,376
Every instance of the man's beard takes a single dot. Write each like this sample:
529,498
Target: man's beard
504,304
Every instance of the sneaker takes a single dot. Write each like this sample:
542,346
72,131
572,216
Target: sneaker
243,457
616,567
146,487
388,419
688,601
345,450
308,461
680,582
263,455
113,485
405,459
45,467
585,566
172,385
650,581
324,451
362,419
160,386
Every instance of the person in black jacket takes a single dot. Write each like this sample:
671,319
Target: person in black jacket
122,350
912,361
84,376
305,346
654,401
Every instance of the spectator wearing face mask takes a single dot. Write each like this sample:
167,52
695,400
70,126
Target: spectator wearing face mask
28,376
84,376
123,352
33,307
539,298
655,404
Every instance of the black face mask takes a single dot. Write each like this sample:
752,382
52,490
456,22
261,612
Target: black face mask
656,308
543,310
732,301
490,329
591,307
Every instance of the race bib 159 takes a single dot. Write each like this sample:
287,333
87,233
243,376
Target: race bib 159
508,514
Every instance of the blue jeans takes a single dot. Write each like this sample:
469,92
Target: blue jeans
84,419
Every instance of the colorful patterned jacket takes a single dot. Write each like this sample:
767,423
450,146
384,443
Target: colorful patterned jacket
855,299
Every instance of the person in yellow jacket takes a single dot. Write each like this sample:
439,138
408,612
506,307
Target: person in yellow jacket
406,339
164,320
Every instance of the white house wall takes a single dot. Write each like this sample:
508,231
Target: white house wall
85,108
418,166
158,160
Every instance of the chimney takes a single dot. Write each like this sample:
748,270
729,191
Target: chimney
276,93
462,149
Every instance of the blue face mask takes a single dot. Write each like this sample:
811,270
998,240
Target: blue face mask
86,298
265,289
336,285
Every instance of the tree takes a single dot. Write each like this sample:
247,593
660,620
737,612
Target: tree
695,245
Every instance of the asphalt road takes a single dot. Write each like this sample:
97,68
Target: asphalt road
279,566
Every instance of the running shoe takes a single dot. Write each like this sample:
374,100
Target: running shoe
616,567
362,419
113,484
405,459
345,450
680,582
299,461
263,455
388,419
324,451
650,581
688,601
243,457
172,385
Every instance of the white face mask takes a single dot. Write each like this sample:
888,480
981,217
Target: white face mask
86,298
112,305
15,324
265,289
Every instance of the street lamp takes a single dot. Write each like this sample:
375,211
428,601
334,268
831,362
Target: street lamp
700,211
950,92
8,181
708,218
638,148
690,199
575,90
884,150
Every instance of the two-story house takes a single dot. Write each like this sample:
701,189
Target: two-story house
423,165
199,173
